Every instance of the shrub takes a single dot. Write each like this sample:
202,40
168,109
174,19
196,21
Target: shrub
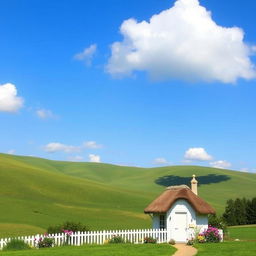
218,222
16,244
68,225
172,242
211,235
149,240
116,240
45,242
190,241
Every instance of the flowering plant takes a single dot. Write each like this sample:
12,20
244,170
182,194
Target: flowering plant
149,240
211,235
68,234
44,242
201,238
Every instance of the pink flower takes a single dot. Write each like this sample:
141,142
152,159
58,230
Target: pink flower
67,232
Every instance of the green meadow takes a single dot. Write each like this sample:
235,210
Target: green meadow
227,249
244,232
36,193
99,250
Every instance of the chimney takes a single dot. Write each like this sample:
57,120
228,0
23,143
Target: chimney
194,184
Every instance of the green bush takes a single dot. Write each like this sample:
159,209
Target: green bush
68,225
191,241
45,242
116,240
16,244
217,222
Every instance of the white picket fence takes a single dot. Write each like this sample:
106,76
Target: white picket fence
95,237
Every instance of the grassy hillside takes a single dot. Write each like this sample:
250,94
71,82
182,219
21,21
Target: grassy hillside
35,193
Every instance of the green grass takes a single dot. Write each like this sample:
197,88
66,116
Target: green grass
243,232
36,193
227,249
10,229
100,250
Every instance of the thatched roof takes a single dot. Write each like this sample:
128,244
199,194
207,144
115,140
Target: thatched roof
165,201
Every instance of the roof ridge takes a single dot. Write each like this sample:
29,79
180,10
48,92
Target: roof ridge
177,187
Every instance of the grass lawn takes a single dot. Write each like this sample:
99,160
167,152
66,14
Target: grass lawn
247,232
227,249
100,250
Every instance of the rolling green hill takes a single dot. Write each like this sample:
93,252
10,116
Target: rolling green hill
35,192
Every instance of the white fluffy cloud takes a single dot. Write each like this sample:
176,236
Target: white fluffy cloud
222,164
94,158
197,154
160,161
59,147
9,101
45,114
92,145
182,42
87,54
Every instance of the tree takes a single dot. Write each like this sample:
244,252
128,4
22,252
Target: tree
251,211
240,211
229,214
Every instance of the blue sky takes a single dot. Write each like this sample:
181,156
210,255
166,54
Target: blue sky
179,89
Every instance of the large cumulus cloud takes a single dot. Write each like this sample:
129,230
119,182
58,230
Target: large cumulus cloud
182,42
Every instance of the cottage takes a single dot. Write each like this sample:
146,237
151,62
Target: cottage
181,211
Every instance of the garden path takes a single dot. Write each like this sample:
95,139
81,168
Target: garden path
184,250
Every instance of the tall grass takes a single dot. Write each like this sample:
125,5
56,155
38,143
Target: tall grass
15,245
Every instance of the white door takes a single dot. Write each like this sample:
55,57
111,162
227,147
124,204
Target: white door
179,230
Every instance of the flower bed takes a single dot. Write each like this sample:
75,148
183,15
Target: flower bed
210,235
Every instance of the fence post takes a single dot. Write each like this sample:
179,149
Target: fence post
1,244
221,235
104,236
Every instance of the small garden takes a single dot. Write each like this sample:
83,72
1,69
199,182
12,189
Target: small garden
210,235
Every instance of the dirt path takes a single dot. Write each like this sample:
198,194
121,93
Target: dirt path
184,250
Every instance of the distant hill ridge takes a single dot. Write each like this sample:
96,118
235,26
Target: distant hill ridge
36,192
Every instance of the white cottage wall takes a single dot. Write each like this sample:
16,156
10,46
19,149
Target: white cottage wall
202,222
181,206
